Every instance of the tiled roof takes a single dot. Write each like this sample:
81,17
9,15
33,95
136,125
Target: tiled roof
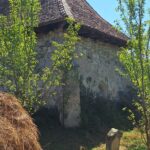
94,25
85,14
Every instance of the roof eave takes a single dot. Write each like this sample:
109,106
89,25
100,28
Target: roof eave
104,37
85,31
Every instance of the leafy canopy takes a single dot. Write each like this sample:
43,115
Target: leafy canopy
18,55
136,59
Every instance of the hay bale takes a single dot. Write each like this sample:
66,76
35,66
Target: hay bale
17,130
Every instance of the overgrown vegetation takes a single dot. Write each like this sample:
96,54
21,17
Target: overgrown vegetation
95,116
136,59
17,51
131,140
63,58
18,55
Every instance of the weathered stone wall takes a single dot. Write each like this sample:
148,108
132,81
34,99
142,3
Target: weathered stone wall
96,72
98,69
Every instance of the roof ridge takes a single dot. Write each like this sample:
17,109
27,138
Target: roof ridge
93,25
98,14
64,8
105,21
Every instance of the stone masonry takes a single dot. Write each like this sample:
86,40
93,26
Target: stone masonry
96,70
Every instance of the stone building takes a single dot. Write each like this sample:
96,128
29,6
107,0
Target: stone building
99,43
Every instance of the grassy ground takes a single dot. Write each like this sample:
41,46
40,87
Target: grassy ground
131,140
58,138
54,137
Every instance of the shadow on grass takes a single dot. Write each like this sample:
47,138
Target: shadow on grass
55,137
98,116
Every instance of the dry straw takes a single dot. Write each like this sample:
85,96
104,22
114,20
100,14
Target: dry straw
17,130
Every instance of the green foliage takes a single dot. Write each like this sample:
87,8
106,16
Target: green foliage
18,55
17,51
95,116
63,57
65,53
136,59
132,140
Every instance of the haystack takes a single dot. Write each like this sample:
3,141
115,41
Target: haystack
17,130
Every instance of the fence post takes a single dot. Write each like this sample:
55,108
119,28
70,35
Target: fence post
113,139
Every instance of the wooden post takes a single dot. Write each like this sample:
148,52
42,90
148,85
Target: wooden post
113,139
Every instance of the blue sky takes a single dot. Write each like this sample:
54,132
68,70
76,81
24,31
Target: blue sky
106,8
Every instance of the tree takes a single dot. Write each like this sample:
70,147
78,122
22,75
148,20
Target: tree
136,59
17,51
18,55
63,58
